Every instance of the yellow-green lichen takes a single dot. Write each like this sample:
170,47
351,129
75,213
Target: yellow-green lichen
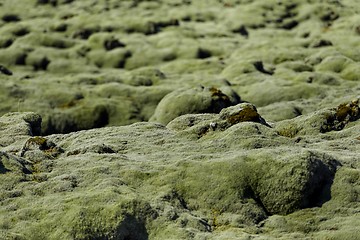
215,218
40,141
218,94
245,115
42,144
289,131
69,104
37,175
348,112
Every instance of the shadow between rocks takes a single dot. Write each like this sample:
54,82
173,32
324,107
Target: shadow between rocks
3,168
320,186
71,121
131,229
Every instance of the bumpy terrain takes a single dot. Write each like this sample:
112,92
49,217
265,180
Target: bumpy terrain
179,119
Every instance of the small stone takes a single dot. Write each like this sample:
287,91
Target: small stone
213,125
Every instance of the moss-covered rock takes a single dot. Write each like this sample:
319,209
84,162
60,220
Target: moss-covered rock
195,100
326,120
286,184
218,169
161,181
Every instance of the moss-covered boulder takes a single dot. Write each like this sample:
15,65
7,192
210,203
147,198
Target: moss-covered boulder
194,100
148,180
80,80
333,119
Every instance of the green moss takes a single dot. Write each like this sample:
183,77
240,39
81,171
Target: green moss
13,56
55,42
351,72
334,64
187,101
346,188
111,59
69,104
288,131
198,184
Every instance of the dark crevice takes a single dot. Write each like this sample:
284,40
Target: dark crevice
130,229
3,169
203,53
85,33
122,62
297,111
156,27
5,71
249,193
112,44
320,187
176,198
241,30
7,43
260,67
11,18
65,122
21,59
42,64
290,25
21,32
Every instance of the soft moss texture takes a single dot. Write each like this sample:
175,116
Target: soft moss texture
179,119
194,100
267,52
148,181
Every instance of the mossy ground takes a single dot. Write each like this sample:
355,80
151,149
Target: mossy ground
94,64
